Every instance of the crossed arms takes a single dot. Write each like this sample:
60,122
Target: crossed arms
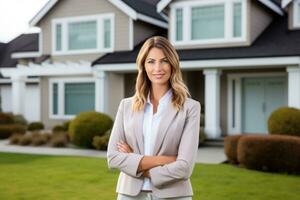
162,170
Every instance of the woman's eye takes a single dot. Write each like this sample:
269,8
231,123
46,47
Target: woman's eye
150,61
165,61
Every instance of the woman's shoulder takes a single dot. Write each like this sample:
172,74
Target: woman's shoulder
192,104
127,101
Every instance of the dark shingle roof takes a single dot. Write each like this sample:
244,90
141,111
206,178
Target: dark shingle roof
275,41
144,7
22,43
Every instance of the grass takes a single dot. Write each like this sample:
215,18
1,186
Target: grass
26,176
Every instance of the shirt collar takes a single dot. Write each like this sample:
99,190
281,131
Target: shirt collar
164,99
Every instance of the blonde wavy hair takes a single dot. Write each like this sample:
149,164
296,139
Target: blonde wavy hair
143,84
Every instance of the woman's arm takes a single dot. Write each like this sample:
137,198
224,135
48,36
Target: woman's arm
147,162
182,168
125,162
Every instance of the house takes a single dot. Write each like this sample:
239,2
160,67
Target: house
73,34
240,58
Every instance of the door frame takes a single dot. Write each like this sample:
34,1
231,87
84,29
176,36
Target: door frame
234,98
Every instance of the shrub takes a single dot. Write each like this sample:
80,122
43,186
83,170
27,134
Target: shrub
19,119
6,118
15,138
38,138
86,126
101,142
35,126
66,125
26,140
276,153
230,148
7,130
58,128
58,140
285,121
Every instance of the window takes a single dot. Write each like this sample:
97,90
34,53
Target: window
82,35
237,20
70,97
206,22
210,17
86,34
296,12
179,26
107,33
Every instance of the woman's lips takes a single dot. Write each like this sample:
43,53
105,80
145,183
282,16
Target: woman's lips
158,76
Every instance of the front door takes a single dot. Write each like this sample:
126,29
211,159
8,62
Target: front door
261,96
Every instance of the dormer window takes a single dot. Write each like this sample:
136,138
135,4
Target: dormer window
208,22
296,13
84,34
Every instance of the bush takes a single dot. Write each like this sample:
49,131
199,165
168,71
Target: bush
101,142
58,140
230,148
38,138
66,125
7,130
276,153
26,140
58,128
6,118
15,138
19,119
35,126
86,126
285,121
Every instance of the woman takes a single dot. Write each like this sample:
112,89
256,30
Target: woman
154,140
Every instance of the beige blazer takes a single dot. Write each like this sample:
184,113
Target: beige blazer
178,135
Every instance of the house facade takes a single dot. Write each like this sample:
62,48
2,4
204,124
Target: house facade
239,58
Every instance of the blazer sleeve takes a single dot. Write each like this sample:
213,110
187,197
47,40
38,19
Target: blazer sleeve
182,168
125,162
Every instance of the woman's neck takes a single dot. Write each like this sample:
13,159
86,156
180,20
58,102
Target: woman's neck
157,92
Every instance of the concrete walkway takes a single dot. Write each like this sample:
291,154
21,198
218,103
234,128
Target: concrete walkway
209,155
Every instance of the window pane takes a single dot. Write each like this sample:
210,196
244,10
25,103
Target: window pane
237,20
82,35
55,99
208,22
179,18
79,97
107,33
58,37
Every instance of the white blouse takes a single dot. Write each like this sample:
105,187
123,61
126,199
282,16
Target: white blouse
150,126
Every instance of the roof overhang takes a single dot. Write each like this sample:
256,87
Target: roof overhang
235,63
118,3
30,54
47,69
284,3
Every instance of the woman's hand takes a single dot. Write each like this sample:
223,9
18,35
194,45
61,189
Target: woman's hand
146,174
124,147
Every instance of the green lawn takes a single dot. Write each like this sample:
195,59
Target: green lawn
53,177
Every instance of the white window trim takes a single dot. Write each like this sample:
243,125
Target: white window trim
238,98
61,96
296,11
100,40
228,32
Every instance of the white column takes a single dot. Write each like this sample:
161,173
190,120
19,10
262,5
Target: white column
18,94
100,93
293,86
212,103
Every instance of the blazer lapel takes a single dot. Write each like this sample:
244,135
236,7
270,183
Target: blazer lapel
138,129
166,120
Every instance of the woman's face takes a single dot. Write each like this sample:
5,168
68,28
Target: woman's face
158,67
